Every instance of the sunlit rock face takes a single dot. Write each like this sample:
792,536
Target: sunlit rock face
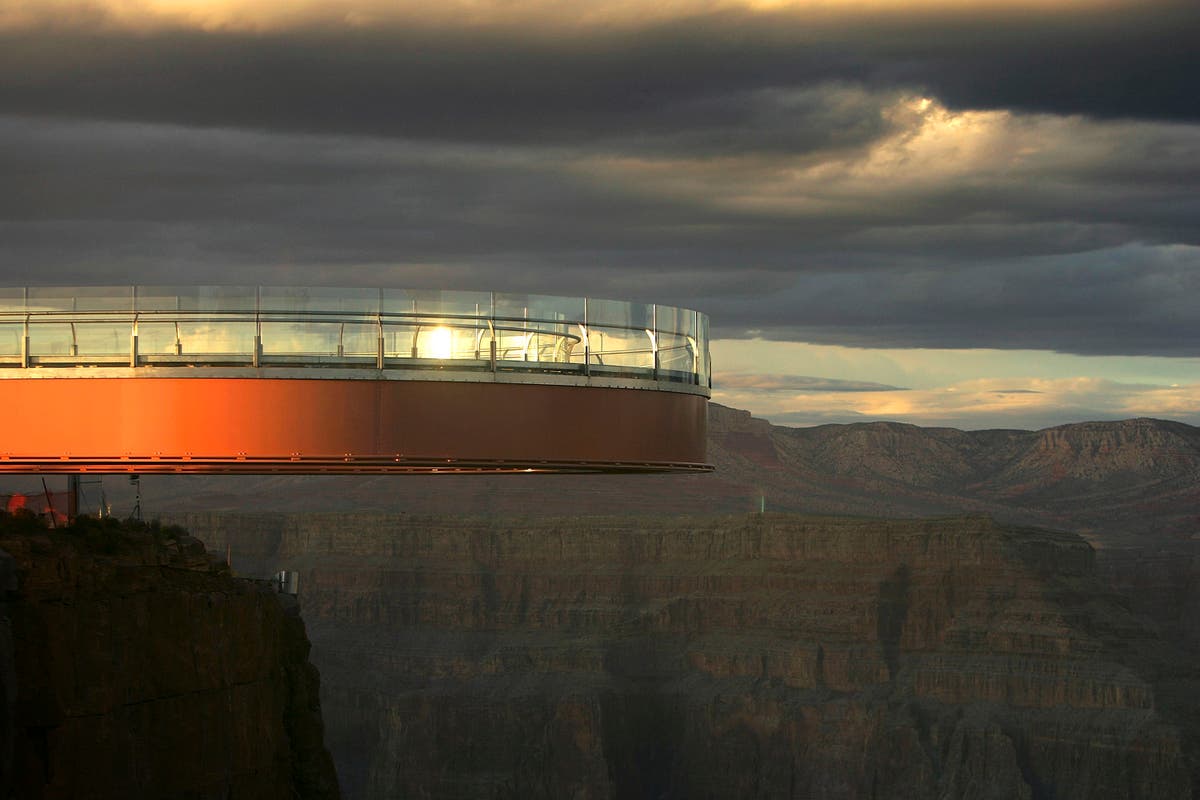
136,667
748,656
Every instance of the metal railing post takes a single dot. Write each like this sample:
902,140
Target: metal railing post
587,342
654,338
691,340
133,343
653,350
492,344
256,358
379,345
133,335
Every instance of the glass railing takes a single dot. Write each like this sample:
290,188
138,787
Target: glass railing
267,326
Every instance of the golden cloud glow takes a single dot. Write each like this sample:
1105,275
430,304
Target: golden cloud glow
959,388
977,403
929,149
276,14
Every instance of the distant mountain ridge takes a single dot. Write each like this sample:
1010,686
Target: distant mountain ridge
1136,476
1111,481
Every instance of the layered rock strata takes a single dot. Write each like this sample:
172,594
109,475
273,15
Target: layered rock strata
760,656
138,667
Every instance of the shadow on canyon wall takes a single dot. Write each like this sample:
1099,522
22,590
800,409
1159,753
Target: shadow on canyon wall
743,656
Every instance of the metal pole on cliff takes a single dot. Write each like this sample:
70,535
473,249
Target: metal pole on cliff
72,498
49,503
136,480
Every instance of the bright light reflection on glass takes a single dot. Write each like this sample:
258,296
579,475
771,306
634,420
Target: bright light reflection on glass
439,343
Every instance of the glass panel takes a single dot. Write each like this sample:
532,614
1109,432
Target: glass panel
319,299
447,324
620,347
571,346
10,338
515,344
449,341
12,300
675,320
216,338
301,338
81,298
678,343
196,298
200,339
317,336
50,339
359,340
675,353
539,306
619,314
533,327
103,338
437,303
157,338
398,339
202,321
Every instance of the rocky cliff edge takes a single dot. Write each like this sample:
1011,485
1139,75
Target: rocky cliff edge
133,665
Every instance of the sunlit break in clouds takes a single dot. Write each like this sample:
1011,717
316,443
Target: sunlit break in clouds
961,213
282,14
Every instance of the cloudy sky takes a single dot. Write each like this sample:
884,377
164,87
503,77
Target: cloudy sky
962,213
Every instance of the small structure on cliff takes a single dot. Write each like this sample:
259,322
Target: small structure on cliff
261,379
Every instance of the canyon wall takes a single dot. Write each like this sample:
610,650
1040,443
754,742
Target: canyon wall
739,656
134,665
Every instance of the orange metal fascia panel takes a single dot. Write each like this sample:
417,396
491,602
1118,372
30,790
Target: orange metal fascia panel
321,425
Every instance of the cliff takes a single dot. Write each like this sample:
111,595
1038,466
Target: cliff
134,665
748,656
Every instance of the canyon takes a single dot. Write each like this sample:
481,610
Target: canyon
752,655
918,613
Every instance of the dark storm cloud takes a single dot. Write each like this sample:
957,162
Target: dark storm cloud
1131,300
443,86
798,384
773,170
1126,61
706,83
1090,256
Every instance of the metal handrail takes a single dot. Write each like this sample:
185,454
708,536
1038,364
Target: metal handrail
336,322
533,338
